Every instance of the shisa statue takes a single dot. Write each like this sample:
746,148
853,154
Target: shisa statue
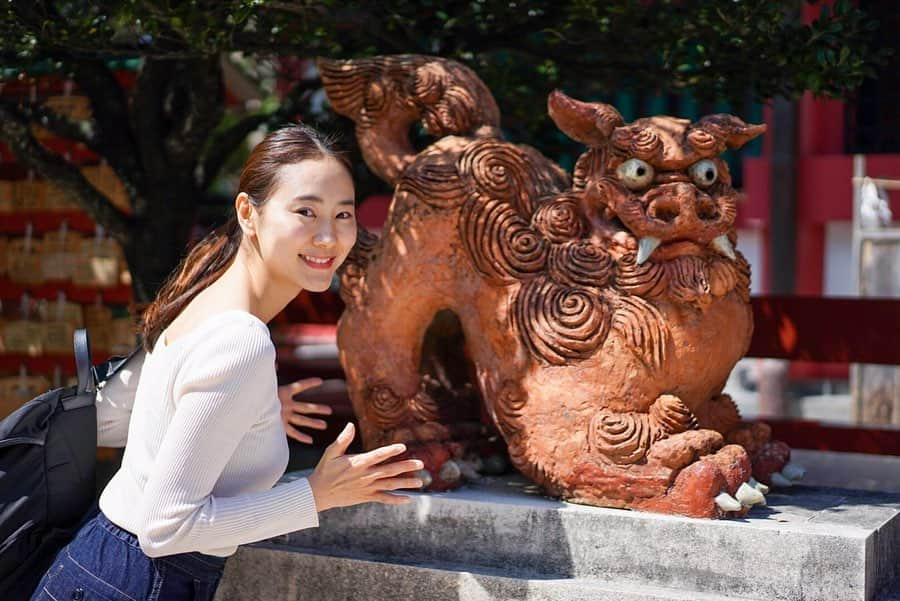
601,314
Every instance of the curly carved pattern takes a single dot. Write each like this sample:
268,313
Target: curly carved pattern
742,268
502,245
723,277
720,413
498,170
424,407
704,142
451,98
433,181
524,459
648,280
557,323
560,219
670,416
726,204
348,85
643,328
453,113
388,410
688,278
353,271
623,438
580,263
427,83
353,285
373,103
639,142
507,406
584,168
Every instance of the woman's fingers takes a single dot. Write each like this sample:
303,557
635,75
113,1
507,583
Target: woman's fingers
287,392
310,408
308,422
390,499
341,443
297,434
391,470
378,455
396,483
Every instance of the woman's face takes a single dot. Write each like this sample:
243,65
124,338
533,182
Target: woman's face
307,227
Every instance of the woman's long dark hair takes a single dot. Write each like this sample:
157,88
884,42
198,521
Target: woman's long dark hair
210,257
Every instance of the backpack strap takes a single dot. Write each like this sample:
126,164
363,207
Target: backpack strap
111,366
86,382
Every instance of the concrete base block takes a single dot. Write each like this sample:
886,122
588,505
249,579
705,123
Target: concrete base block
501,540
276,574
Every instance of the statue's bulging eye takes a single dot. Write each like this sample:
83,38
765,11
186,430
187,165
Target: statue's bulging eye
635,174
704,173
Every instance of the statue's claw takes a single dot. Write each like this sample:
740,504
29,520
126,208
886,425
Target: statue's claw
793,472
425,477
728,503
778,479
762,488
450,471
469,470
749,496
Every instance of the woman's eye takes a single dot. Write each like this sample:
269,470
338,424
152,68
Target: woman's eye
635,174
345,215
704,173
305,212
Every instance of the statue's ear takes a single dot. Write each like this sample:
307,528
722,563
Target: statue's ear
590,123
730,129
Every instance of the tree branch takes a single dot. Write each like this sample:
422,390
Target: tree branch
201,88
109,109
146,117
15,133
222,144
77,131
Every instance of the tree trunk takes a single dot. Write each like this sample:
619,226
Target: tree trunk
158,242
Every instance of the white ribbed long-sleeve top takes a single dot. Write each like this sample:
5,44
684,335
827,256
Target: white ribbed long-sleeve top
205,445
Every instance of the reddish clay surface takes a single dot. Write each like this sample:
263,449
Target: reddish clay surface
591,321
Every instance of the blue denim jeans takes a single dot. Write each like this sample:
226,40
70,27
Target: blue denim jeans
106,563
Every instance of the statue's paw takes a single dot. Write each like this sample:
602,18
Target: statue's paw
713,486
447,464
771,458
772,465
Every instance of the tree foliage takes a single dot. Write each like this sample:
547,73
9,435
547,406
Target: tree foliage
718,47
169,136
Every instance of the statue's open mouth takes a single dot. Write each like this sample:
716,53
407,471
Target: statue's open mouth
672,249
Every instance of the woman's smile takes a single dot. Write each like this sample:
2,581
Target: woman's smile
318,262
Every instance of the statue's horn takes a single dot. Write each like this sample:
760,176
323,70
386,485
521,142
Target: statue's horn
744,134
730,129
590,123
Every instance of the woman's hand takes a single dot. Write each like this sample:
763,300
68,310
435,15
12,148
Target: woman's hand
340,480
294,413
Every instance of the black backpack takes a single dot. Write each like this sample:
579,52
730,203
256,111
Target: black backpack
48,456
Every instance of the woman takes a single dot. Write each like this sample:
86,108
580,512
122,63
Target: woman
206,441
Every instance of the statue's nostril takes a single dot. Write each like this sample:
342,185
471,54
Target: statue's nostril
666,210
707,209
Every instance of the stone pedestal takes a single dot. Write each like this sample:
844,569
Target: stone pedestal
501,540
